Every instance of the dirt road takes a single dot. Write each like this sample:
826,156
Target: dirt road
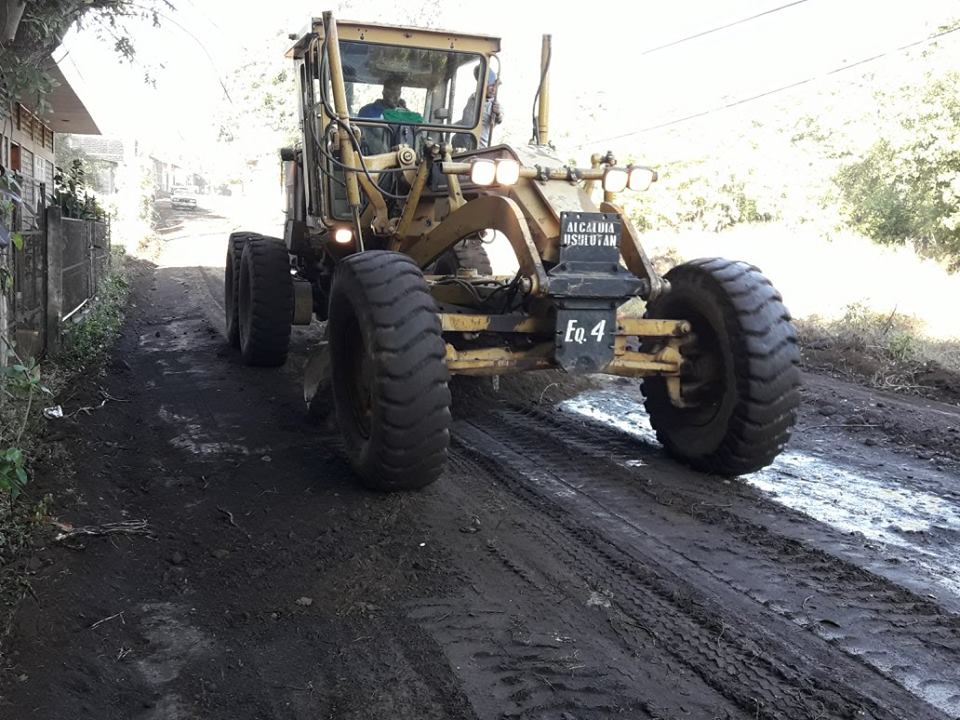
563,568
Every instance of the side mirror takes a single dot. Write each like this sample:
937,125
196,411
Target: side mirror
441,114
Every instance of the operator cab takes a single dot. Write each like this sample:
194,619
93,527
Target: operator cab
410,87
403,95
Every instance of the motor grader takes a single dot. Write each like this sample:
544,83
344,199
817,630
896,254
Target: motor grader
390,195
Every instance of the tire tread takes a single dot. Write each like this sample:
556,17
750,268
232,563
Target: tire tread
765,358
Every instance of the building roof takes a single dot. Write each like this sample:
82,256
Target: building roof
99,147
69,114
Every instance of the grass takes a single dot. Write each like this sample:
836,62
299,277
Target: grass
841,289
884,350
89,339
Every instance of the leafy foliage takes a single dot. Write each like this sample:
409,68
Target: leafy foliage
695,195
261,117
13,472
24,79
878,153
74,197
88,341
19,384
23,62
9,200
906,188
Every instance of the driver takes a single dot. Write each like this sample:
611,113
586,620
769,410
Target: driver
392,88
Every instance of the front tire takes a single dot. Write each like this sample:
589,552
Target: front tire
389,373
231,284
741,374
265,302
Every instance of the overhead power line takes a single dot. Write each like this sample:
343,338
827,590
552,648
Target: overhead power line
721,27
773,91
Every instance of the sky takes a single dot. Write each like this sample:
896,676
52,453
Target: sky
603,83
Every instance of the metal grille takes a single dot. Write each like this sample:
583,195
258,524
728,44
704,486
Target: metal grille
84,246
76,264
29,270
86,261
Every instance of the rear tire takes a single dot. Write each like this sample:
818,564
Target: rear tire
265,302
743,370
231,284
389,373
468,254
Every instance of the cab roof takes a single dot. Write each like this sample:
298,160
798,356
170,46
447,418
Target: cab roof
400,35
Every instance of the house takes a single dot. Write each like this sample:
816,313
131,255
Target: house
27,140
170,172
105,156
51,268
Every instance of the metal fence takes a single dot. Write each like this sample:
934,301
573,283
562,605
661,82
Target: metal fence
55,274
28,294
86,261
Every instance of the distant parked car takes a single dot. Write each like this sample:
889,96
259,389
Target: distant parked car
183,197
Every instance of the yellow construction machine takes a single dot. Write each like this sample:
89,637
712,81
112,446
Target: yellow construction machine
391,194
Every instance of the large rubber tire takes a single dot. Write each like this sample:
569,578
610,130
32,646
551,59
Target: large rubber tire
747,348
468,253
231,284
389,373
265,302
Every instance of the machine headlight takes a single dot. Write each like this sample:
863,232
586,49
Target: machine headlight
343,235
641,178
615,180
508,172
483,172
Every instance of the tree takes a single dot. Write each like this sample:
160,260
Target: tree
906,187
260,116
23,61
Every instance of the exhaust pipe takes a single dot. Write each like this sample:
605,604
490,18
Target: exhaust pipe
543,109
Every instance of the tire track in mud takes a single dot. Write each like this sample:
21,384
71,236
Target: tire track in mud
600,624
922,565
899,633
897,519
538,638
738,502
760,647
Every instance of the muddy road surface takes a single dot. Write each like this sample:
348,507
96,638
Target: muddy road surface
563,567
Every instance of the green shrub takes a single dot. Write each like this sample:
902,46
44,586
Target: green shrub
89,339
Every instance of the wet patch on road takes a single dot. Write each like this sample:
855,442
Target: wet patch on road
879,507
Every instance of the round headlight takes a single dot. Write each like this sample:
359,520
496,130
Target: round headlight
641,178
615,180
343,235
508,172
483,172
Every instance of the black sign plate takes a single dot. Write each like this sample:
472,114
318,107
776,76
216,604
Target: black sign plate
585,339
589,237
